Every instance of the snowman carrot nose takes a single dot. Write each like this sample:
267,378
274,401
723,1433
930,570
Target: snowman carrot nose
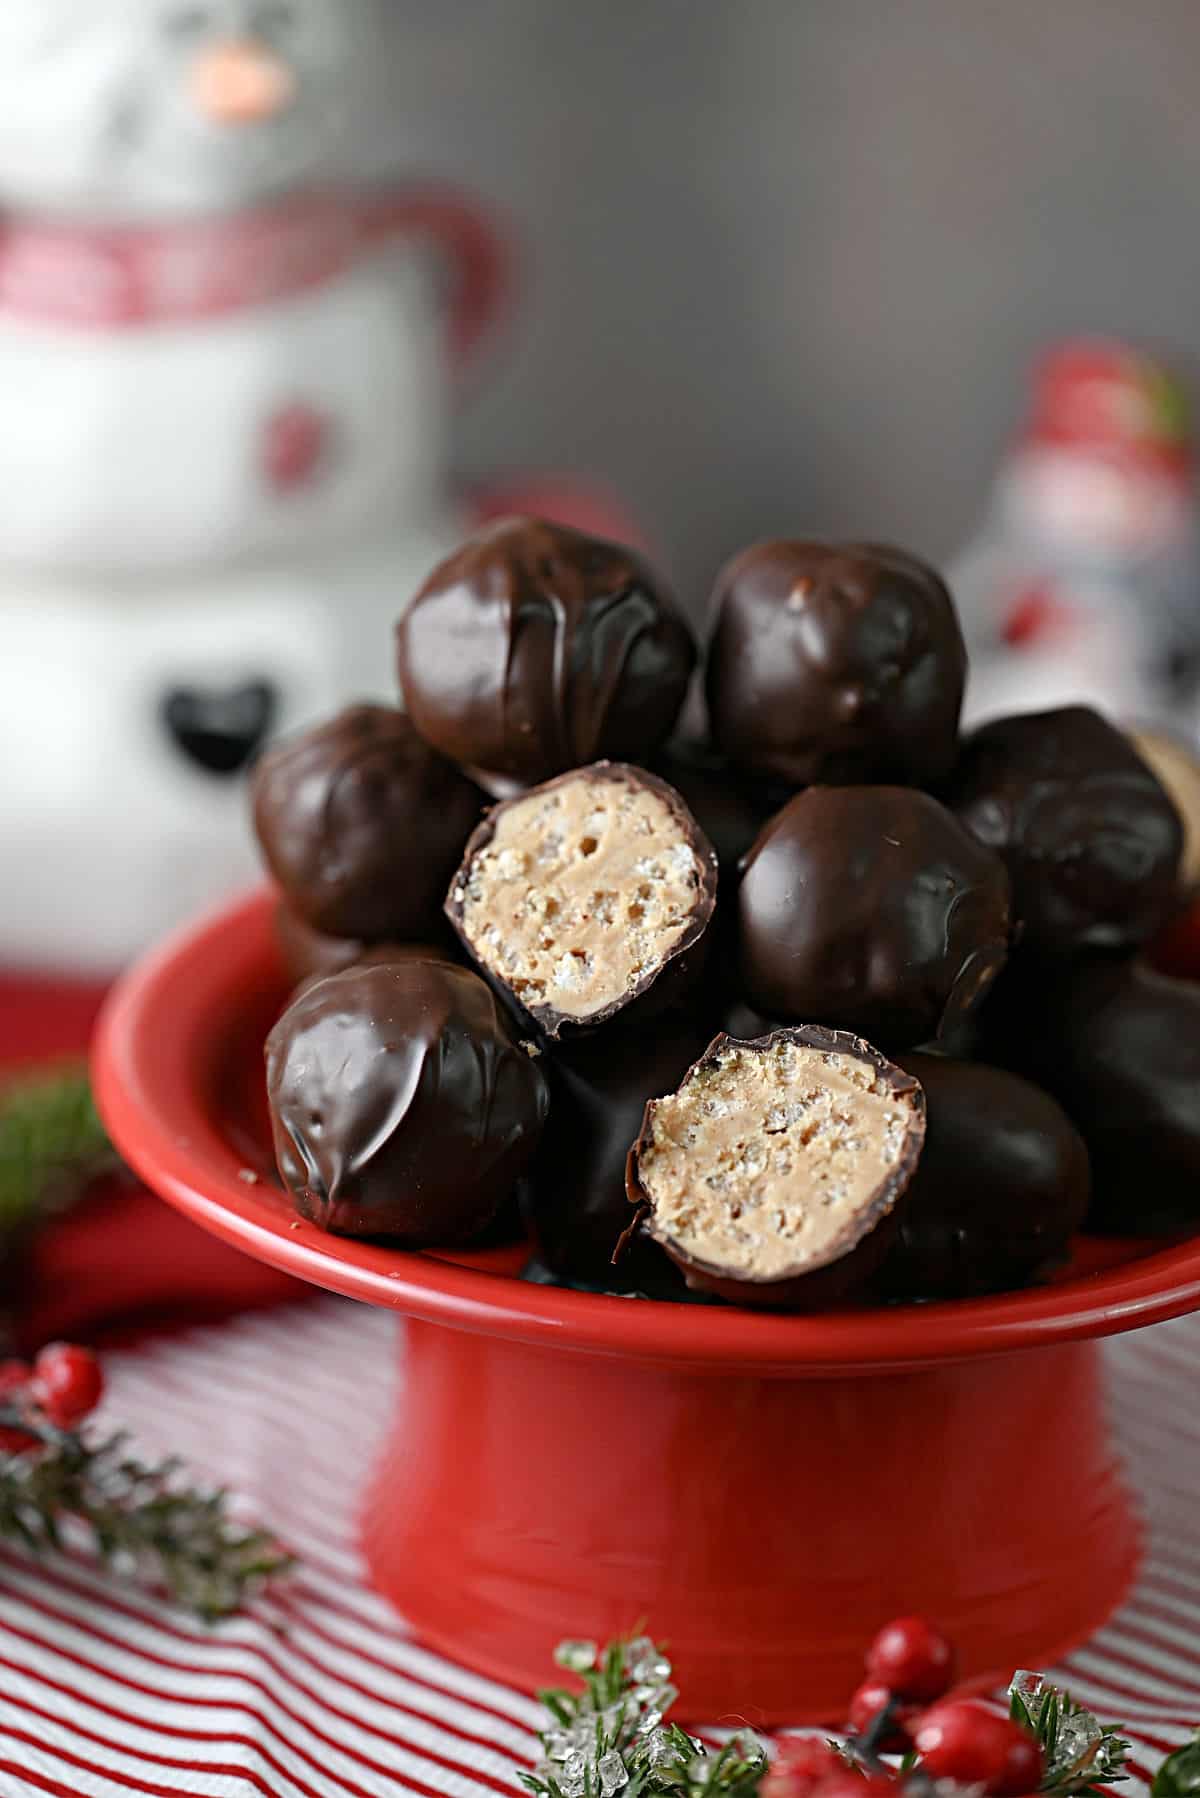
241,82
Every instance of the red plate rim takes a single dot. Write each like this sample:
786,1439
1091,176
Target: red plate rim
161,1035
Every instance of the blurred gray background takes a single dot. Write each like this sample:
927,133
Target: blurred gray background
786,261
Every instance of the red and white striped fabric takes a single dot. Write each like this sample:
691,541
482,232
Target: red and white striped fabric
318,1693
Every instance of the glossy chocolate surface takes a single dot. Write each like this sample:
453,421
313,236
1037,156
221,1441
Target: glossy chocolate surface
402,1104
871,909
308,955
869,1233
535,649
727,807
1119,1047
1001,1187
362,825
835,662
577,1205
1090,838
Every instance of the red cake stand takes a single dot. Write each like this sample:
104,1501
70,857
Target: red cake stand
762,1490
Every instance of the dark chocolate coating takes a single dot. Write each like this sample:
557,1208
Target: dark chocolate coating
1119,1047
860,1252
665,985
402,1104
835,662
725,806
362,825
1001,1187
1090,838
308,954
577,1208
871,909
535,649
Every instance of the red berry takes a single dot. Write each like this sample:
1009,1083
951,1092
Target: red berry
865,1706
803,1763
67,1383
846,1783
14,1381
912,1658
965,1741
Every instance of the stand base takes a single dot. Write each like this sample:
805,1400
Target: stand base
762,1529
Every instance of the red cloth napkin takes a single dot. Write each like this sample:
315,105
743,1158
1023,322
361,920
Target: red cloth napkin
122,1262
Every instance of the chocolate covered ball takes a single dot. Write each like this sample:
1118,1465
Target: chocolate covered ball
362,825
575,1195
771,1177
587,895
1175,763
1001,1187
535,649
307,954
871,909
402,1103
729,810
835,662
1119,1047
1089,836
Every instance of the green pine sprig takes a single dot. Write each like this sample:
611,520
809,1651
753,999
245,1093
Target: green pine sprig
612,1739
143,1521
1080,1754
51,1144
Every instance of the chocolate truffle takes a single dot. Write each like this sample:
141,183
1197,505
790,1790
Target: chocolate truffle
727,808
871,909
1090,838
535,649
575,1195
1176,765
772,1176
402,1104
1002,1185
1119,1047
586,894
835,662
362,825
309,955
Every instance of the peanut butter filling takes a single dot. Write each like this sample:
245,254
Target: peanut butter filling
764,1159
582,893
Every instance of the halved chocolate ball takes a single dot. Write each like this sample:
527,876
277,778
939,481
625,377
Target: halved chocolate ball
535,649
771,1177
1002,1185
402,1103
586,894
362,825
872,909
835,662
1090,838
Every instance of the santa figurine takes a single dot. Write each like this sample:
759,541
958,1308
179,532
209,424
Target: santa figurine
227,372
1084,584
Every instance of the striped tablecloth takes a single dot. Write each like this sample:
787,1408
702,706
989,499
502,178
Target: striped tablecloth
317,1692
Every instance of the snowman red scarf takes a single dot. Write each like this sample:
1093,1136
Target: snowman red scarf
88,277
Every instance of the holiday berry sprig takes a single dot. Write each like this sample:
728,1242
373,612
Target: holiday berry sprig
612,1740
142,1521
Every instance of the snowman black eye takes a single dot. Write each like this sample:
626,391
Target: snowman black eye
188,22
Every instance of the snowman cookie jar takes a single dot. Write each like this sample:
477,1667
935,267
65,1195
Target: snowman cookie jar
1084,584
226,379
